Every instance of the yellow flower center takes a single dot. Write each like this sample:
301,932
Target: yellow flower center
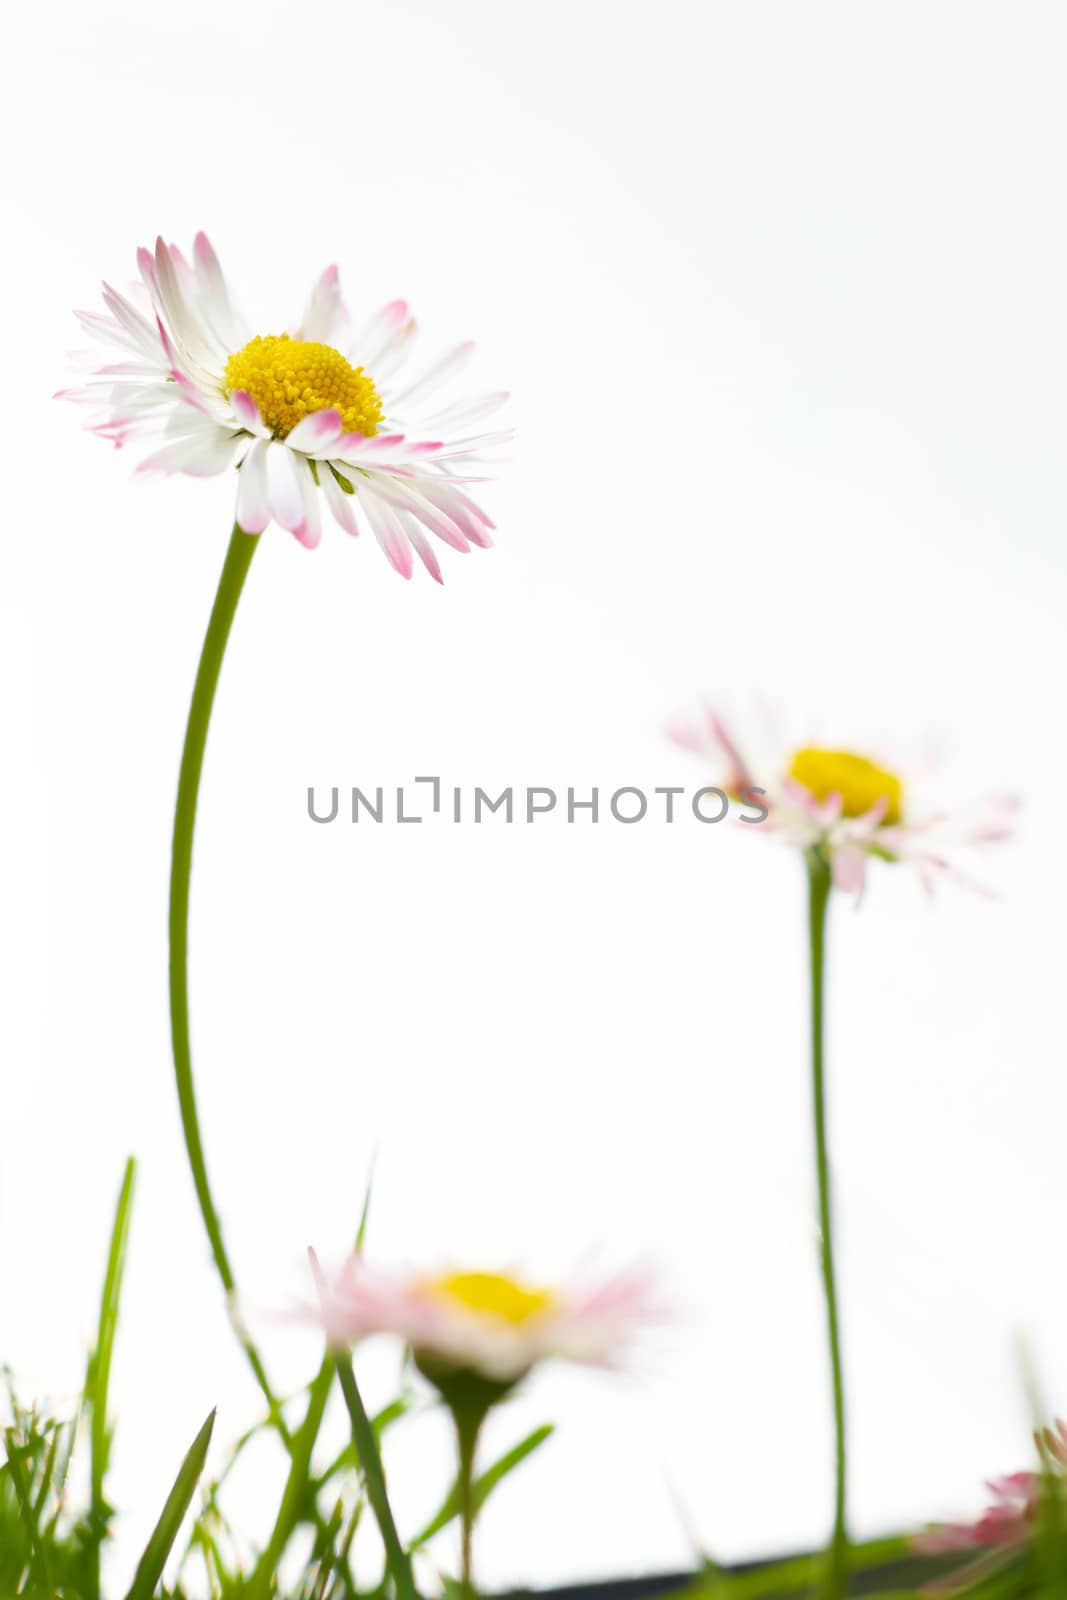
858,781
489,1294
290,378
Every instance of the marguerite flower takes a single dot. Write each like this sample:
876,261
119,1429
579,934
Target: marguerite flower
1005,1524
309,415
475,1335
846,805
488,1323
1021,1504
1015,1511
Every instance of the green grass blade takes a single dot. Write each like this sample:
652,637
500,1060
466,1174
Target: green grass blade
364,1216
24,1497
150,1567
369,1458
485,1483
99,1375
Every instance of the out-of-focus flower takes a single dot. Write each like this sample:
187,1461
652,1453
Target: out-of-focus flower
1004,1524
308,415
1013,1517
487,1323
846,805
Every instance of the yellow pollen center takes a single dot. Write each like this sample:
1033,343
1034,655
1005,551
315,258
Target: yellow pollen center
858,781
489,1294
290,378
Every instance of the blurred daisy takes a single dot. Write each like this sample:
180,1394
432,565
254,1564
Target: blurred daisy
1004,1525
474,1336
1013,1513
316,414
487,1323
846,805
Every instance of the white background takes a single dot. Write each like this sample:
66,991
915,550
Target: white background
779,291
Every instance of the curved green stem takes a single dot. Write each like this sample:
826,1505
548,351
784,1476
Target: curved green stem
235,569
819,887
242,548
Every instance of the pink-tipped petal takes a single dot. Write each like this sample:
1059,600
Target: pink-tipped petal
191,393
436,374
214,295
340,503
325,311
388,532
284,487
200,456
309,533
247,412
316,432
422,546
253,499
849,869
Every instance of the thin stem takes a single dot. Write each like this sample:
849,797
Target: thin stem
468,1427
235,569
366,1447
819,887
242,548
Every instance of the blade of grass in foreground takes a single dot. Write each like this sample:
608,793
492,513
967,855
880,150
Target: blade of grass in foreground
150,1567
38,1562
367,1454
99,1374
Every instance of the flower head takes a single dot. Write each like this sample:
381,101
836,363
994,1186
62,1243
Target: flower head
1015,1513
1004,1524
488,1323
316,414
846,804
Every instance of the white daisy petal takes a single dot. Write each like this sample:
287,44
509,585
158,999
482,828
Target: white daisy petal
191,335
388,532
325,313
435,375
382,327
316,432
284,486
253,499
248,413
391,357
199,456
339,502
421,545
214,295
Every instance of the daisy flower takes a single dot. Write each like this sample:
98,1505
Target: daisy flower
1004,1524
317,414
846,805
1016,1502
474,1335
487,1323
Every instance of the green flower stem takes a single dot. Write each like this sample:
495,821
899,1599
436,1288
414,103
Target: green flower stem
239,556
370,1461
820,884
235,569
468,1427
